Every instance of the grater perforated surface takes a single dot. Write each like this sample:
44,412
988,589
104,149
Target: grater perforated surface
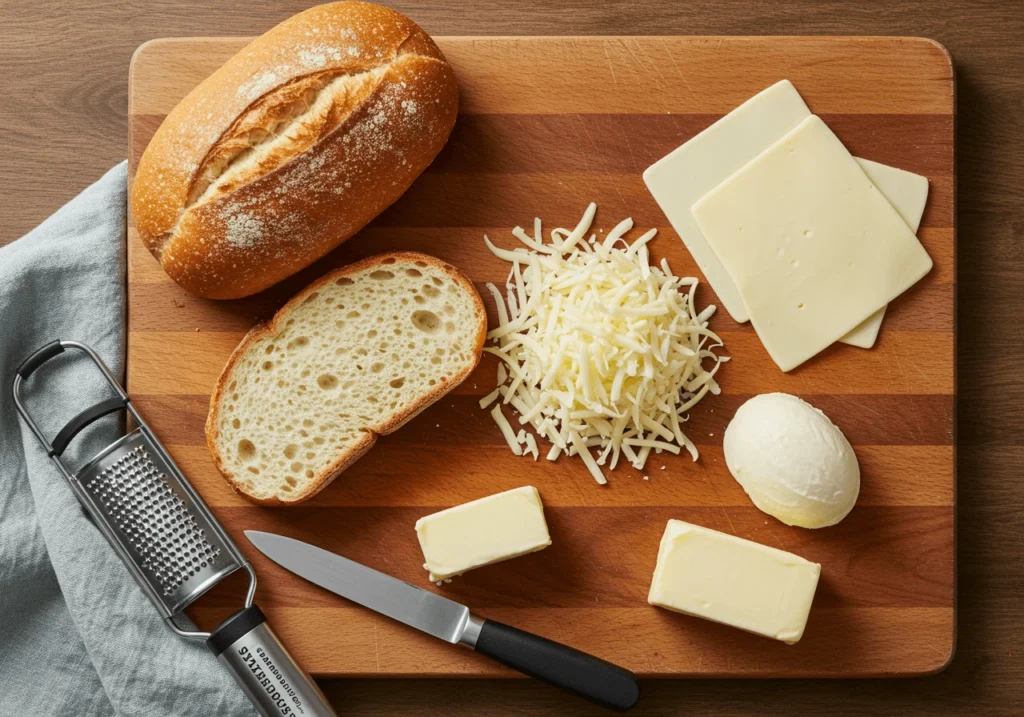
141,500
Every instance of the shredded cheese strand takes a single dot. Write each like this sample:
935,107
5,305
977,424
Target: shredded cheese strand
506,430
603,350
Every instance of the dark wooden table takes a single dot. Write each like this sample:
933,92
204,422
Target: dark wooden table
63,122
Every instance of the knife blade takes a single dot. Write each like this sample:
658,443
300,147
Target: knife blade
433,614
578,672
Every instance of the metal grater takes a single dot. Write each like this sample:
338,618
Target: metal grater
176,547
171,543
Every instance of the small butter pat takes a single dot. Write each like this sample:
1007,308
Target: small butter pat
733,581
489,530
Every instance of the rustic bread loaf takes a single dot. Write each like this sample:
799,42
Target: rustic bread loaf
355,355
292,147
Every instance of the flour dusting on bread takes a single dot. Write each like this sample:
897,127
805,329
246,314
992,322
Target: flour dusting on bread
296,143
244,230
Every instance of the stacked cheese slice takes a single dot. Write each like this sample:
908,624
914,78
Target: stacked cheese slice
792,232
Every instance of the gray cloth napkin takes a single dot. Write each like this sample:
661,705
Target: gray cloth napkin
77,636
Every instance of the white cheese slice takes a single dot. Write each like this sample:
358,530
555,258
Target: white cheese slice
682,177
908,194
489,530
678,180
813,246
733,581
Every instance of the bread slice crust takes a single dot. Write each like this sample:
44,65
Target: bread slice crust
354,451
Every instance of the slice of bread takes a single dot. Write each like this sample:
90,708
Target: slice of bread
353,356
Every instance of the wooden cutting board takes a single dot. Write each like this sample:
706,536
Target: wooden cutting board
546,126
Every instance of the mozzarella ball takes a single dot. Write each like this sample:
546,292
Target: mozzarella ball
792,461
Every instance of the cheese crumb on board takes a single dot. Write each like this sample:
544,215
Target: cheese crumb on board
599,349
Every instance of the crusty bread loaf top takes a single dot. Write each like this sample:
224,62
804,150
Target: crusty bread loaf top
355,355
291,147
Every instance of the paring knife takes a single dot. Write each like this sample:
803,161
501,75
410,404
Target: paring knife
582,674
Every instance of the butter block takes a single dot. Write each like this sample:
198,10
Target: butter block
481,532
733,581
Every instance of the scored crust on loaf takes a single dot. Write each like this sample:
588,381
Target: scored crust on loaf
355,355
291,147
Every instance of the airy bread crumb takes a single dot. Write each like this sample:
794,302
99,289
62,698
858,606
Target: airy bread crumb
353,356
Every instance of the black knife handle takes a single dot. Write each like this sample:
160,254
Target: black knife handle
585,675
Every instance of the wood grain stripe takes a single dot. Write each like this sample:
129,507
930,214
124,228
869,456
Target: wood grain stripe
912,312
525,144
872,641
499,199
458,420
519,144
904,554
400,473
900,363
489,199
464,247
625,74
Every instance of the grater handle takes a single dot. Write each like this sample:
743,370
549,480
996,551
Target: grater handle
90,415
264,669
38,358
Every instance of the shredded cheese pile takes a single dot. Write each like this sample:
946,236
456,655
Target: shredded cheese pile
603,351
